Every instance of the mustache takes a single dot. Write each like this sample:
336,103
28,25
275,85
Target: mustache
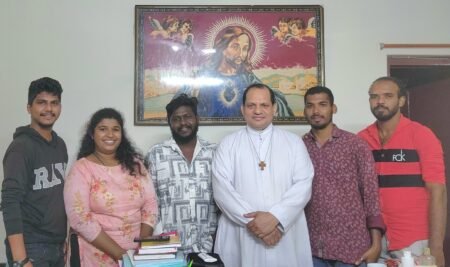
317,116
47,113
380,107
186,126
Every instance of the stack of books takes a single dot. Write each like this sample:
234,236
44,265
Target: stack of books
160,251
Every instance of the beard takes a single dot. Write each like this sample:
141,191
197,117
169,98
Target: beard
46,126
232,62
179,139
383,116
319,126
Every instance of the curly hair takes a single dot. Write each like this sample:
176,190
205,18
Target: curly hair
169,21
126,154
181,100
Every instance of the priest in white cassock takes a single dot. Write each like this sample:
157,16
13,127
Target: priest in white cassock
262,179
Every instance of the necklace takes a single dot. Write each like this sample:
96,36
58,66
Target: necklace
262,163
106,167
98,158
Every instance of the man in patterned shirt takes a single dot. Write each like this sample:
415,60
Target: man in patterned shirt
181,170
343,214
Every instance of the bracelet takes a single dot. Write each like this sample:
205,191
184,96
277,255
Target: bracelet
21,263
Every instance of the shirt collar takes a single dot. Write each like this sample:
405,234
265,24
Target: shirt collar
335,133
264,132
174,146
199,146
373,129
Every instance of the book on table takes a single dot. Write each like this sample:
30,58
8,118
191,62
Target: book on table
139,257
177,261
173,242
141,251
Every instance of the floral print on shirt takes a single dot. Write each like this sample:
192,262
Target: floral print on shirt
108,199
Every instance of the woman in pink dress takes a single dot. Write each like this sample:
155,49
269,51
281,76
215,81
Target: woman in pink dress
108,194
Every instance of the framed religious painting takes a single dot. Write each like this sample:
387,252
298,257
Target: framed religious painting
215,52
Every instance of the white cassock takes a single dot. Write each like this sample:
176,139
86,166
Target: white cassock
283,188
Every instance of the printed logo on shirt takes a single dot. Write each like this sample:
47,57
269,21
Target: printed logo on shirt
399,157
395,155
42,175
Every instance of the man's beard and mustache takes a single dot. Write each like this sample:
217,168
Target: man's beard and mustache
47,126
235,65
319,126
384,116
184,139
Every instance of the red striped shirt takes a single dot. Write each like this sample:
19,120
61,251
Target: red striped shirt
411,157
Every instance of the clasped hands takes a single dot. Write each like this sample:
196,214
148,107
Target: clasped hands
264,226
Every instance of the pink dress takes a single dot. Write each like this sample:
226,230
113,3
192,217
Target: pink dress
109,199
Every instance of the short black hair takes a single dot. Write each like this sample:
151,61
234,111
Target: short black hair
44,84
319,90
181,100
400,84
259,86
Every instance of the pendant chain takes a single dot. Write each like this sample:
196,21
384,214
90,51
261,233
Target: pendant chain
262,163
97,157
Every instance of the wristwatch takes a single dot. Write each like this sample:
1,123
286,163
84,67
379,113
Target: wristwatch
280,227
21,263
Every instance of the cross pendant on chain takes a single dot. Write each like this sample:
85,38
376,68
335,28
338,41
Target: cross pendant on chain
262,165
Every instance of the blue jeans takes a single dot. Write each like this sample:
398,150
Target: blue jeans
318,262
42,254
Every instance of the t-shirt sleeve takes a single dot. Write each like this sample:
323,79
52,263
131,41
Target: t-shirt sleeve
431,156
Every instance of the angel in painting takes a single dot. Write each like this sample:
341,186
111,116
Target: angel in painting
184,34
166,30
282,31
296,29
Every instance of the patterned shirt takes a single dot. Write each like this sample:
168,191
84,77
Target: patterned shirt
184,193
344,202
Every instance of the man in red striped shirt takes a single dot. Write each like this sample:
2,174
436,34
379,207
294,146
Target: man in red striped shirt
410,168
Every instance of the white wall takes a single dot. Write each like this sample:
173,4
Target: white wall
89,47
